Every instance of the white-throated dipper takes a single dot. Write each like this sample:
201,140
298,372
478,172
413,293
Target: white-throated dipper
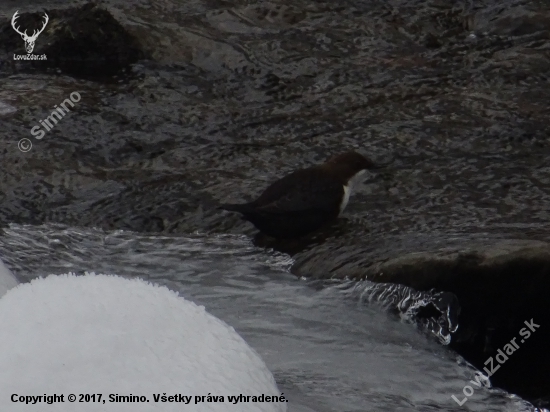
306,199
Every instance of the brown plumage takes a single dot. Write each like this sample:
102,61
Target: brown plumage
306,199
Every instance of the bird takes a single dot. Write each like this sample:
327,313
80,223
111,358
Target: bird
306,199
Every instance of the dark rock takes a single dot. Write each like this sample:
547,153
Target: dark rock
85,41
499,287
241,93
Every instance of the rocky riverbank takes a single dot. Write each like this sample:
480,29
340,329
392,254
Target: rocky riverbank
184,106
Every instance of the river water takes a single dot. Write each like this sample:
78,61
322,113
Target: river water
228,96
329,350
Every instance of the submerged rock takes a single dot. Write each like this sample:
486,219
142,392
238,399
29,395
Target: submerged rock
499,288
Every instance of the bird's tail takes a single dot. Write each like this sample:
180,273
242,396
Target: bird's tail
235,207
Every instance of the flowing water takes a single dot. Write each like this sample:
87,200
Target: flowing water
231,95
329,349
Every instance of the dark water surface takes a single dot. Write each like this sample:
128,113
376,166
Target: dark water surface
244,92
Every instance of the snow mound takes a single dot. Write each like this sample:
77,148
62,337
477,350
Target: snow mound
123,339
7,280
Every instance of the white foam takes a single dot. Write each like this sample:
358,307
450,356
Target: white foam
108,335
7,279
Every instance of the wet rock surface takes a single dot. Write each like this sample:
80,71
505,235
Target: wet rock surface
84,41
453,97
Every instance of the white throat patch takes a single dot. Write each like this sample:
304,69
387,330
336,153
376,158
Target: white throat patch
345,200
347,190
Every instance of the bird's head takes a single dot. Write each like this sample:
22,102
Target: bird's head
349,165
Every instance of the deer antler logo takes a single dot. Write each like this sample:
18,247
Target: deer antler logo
29,40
